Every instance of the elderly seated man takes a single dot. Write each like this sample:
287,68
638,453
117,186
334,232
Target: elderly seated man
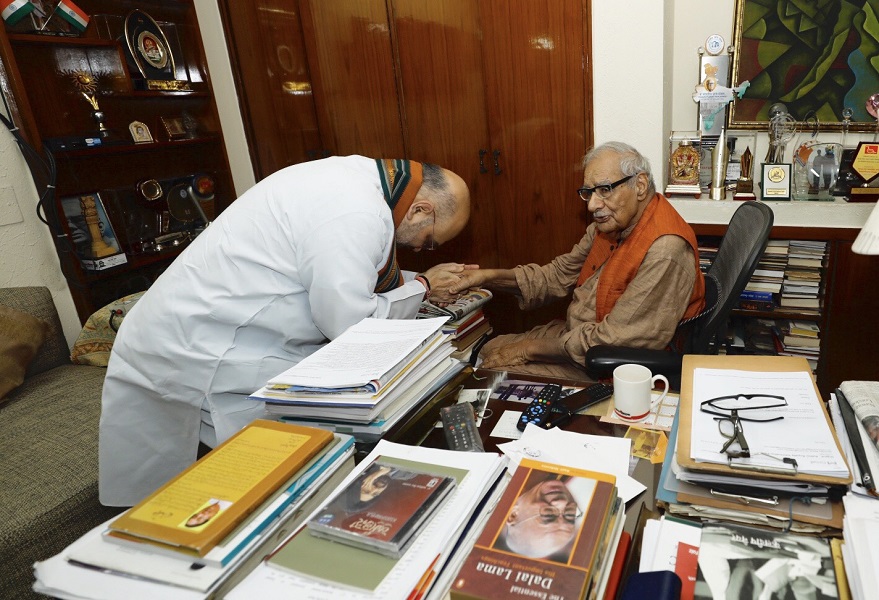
634,274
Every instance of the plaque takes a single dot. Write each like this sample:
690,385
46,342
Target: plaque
173,127
150,53
776,183
865,164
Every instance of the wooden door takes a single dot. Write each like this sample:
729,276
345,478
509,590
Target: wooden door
353,75
274,86
439,54
538,83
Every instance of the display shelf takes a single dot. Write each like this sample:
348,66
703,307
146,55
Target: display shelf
61,89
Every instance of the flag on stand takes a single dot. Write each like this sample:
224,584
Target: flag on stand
73,14
14,11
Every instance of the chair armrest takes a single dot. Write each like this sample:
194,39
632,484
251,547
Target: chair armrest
602,360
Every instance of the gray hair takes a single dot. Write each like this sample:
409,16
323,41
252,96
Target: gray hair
437,186
632,162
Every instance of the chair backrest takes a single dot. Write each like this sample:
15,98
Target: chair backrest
740,251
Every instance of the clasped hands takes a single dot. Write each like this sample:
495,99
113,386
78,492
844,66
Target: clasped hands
448,281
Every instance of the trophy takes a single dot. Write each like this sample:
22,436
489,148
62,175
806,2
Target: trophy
87,85
719,157
745,182
782,127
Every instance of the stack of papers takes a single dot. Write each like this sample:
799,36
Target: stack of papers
367,379
309,567
796,457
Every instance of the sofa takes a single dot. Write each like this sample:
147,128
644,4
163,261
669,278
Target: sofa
48,439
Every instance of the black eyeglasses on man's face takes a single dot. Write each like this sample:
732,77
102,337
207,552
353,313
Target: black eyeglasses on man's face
602,191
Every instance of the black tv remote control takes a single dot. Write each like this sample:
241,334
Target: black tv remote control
571,404
459,426
540,409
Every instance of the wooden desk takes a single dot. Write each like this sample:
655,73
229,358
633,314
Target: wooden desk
645,472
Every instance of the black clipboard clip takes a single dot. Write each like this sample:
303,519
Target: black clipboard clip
790,469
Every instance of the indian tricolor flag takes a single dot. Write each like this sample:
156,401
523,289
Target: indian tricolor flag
14,11
73,14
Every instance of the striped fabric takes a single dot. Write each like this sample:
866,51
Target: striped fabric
401,180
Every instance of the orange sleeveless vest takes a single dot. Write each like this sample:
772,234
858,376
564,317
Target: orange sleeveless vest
659,218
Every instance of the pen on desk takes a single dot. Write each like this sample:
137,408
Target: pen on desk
853,430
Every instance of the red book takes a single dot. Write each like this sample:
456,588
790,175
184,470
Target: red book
616,569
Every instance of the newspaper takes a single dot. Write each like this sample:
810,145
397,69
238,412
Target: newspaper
464,305
863,396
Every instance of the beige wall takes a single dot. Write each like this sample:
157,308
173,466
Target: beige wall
645,65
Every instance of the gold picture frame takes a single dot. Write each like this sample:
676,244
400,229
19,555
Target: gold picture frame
174,128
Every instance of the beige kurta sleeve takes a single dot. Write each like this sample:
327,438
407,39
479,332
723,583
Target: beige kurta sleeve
540,285
647,313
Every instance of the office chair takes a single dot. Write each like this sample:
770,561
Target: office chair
740,251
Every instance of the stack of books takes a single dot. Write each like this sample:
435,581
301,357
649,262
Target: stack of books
324,569
789,472
803,276
763,289
554,533
467,322
210,524
367,379
798,338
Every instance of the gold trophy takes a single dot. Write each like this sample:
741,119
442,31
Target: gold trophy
100,248
87,85
745,182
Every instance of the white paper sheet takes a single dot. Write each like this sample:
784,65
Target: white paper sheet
600,453
803,434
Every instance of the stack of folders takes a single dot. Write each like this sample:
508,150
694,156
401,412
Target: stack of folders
205,529
795,475
308,566
367,379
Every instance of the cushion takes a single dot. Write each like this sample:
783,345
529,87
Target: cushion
37,301
21,336
95,341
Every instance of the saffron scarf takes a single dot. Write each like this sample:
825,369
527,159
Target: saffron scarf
401,180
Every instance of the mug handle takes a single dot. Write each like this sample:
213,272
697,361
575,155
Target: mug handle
664,392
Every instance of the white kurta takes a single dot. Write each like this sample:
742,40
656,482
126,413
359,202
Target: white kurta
292,263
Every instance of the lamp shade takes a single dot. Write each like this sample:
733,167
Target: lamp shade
867,241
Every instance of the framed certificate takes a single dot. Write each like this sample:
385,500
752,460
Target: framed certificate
776,181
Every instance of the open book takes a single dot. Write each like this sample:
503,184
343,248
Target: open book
466,304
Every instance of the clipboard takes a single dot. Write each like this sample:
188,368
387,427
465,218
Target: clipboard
780,364
670,491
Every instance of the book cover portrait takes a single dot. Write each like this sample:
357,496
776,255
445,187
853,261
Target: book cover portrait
544,538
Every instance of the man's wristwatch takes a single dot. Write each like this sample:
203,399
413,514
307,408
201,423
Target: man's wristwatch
424,281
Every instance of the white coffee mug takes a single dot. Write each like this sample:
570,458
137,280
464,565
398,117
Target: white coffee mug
632,391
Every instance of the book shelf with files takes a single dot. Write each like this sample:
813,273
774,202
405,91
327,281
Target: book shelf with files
118,100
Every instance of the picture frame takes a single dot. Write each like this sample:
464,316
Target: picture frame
174,128
775,183
140,133
91,233
770,55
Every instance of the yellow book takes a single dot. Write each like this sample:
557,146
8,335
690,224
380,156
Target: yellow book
198,508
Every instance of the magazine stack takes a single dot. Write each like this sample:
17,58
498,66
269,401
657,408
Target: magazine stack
467,322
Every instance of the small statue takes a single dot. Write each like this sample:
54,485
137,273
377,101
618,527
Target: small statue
745,183
87,85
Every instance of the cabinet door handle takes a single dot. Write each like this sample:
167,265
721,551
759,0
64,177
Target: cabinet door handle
482,154
496,155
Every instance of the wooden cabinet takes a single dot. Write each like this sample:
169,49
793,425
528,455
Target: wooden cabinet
498,91
42,77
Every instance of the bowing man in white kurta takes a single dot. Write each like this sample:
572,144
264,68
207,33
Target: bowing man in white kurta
291,264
